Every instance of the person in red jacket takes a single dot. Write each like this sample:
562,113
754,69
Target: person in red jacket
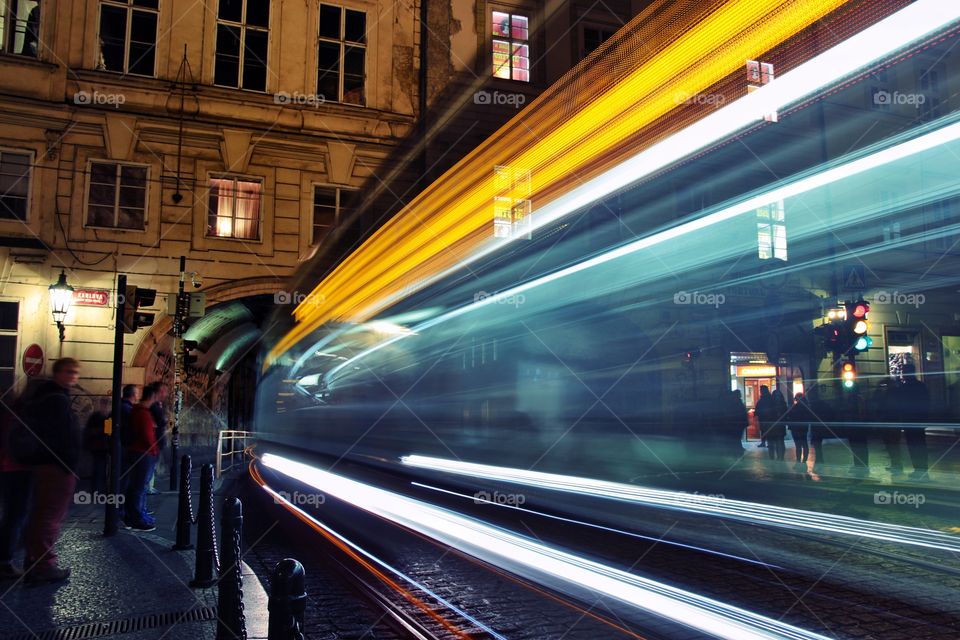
141,455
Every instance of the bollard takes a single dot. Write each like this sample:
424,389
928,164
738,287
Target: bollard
288,601
231,623
207,560
185,517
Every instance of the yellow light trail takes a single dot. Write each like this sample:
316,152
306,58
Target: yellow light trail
453,217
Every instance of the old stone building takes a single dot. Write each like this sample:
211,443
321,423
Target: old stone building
239,134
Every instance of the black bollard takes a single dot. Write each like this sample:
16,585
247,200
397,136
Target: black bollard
288,601
231,623
207,561
185,517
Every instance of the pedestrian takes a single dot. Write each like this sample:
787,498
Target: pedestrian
15,486
766,413
777,432
141,456
159,412
50,419
129,396
737,422
97,444
912,408
799,418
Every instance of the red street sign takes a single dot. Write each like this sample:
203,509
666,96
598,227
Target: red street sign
91,297
33,360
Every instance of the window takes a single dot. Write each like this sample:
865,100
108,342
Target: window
117,196
772,232
341,55
234,208
330,206
9,321
14,185
592,38
511,48
128,36
242,38
20,27
511,205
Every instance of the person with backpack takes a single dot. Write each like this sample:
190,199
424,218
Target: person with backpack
97,443
52,455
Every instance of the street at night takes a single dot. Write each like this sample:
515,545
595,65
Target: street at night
454,319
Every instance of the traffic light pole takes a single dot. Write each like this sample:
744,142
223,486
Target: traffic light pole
111,521
179,320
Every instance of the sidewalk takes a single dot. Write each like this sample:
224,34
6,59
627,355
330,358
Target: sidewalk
131,586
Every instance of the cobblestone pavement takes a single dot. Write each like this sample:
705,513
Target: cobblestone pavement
130,581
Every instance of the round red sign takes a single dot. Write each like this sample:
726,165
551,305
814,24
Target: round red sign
33,360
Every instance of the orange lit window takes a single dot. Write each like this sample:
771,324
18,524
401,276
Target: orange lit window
511,48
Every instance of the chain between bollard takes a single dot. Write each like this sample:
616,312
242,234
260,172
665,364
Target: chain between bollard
185,515
288,601
208,560
231,620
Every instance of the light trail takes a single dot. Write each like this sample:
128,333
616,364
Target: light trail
750,512
601,527
895,32
538,562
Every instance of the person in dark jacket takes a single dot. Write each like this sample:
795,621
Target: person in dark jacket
50,415
141,455
97,444
159,412
799,418
911,405
736,414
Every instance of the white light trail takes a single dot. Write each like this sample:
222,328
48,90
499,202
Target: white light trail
545,564
751,512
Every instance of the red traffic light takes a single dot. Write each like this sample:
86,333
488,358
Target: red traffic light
860,310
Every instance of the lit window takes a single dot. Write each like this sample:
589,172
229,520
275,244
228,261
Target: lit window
20,27
128,36
511,48
242,37
772,232
14,185
341,55
234,208
117,196
330,207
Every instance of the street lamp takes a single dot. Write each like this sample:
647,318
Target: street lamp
61,295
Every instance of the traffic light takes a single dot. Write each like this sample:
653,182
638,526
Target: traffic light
848,374
189,358
857,326
133,318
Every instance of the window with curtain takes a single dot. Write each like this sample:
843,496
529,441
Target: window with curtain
128,36
243,32
20,27
234,208
341,54
117,195
14,185
511,47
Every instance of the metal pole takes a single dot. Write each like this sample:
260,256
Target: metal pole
111,521
178,322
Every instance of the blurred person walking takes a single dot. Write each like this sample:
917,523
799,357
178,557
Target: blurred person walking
15,485
799,418
737,422
50,419
766,413
141,455
911,405
159,412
